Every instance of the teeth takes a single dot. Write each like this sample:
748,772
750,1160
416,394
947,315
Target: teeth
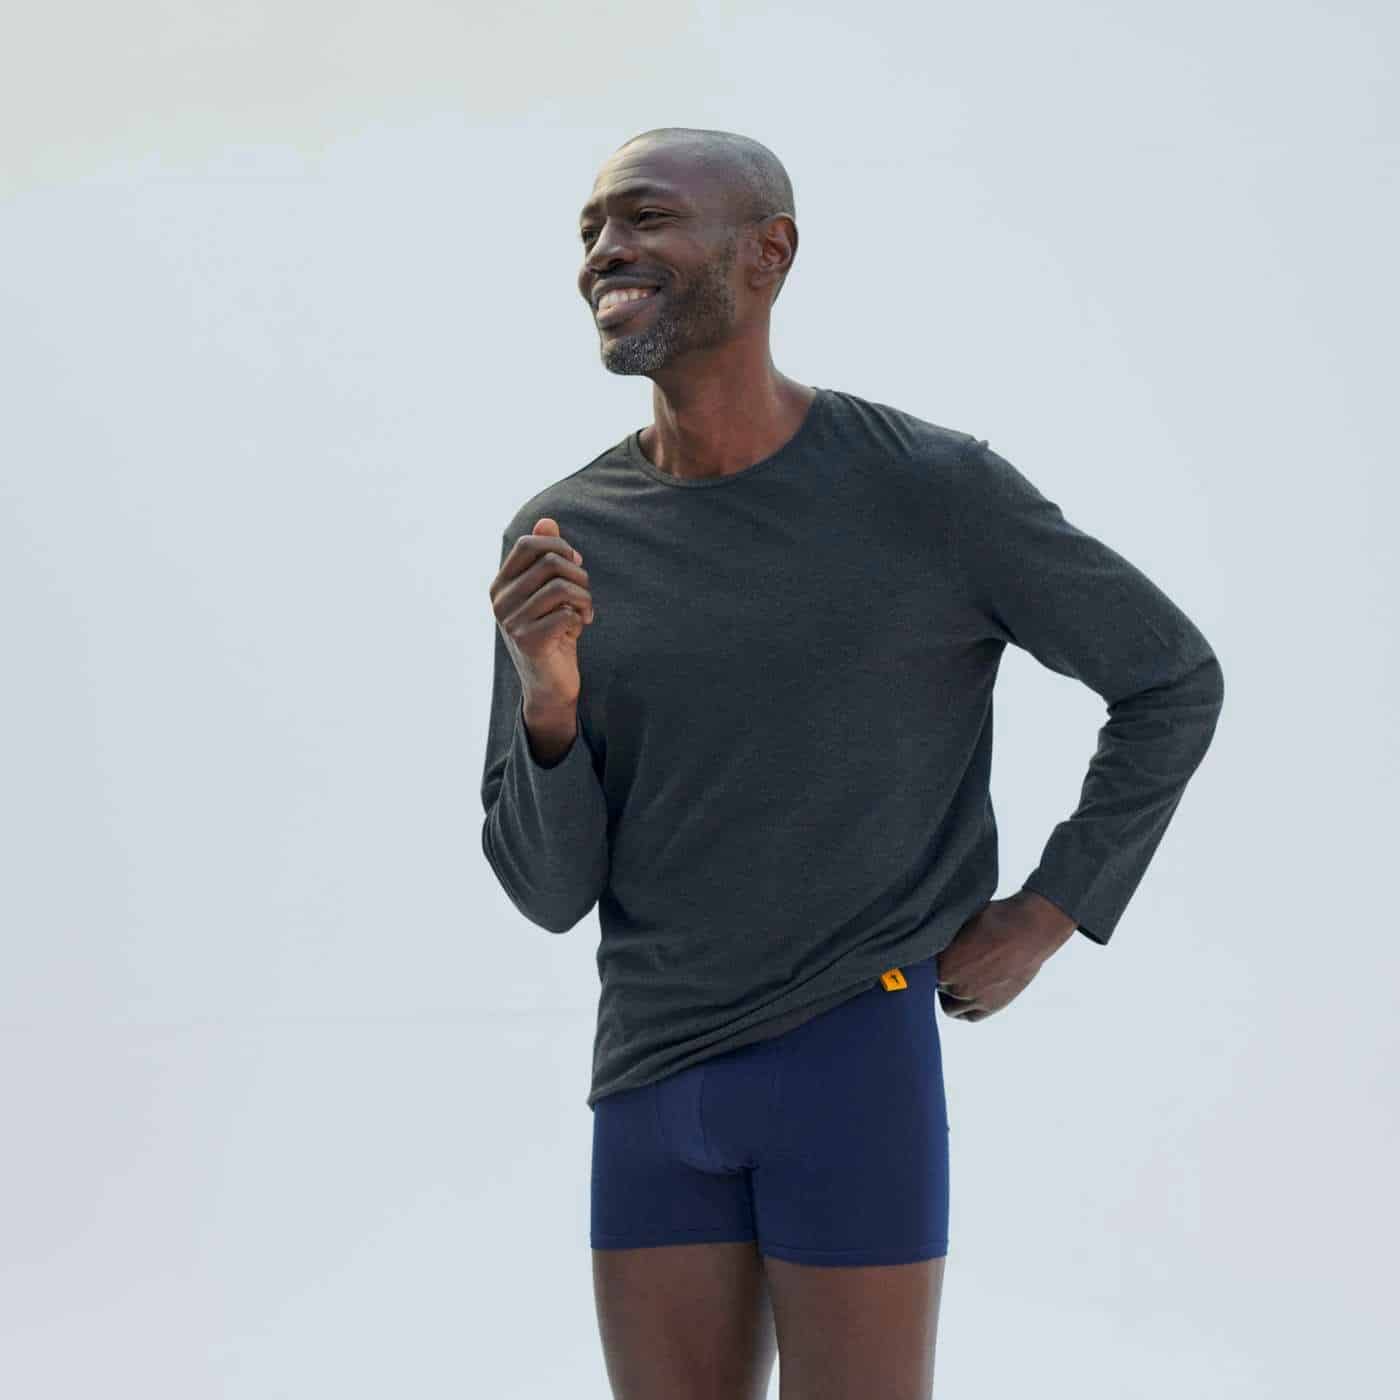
610,299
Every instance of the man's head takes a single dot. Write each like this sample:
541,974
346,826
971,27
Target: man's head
715,235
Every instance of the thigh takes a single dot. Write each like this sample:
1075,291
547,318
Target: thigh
685,1321
852,1201
651,1180
853,1333
682,1299
856,1171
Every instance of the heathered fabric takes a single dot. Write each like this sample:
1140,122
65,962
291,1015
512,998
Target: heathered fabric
779,787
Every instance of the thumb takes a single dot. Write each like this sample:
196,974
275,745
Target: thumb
547,525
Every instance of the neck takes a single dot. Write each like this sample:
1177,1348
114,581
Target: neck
717,423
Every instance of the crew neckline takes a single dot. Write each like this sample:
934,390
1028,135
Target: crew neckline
639,459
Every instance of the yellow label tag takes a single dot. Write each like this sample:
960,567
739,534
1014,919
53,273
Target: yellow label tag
893,980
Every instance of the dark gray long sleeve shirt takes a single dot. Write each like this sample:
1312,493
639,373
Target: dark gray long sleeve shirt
779,786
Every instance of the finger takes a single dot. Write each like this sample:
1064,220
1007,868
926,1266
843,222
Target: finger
558,593
527,549
547,525
553,556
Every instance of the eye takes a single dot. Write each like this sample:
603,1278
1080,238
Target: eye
586,235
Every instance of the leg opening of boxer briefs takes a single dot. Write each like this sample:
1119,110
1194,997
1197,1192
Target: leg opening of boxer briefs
675,1237
856,1258
851,1258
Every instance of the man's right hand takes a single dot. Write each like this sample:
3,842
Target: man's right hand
541,601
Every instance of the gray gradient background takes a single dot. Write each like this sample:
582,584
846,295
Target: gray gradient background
292,1096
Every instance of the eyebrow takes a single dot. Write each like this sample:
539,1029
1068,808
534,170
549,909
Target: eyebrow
635,191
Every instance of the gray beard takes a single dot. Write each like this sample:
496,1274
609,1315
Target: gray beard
702,317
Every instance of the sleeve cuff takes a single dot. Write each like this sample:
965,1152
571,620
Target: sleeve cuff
1070,906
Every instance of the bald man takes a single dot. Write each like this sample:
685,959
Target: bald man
742,704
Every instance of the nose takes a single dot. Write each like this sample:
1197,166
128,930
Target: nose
608,246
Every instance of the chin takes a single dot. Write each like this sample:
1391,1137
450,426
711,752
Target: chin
621,358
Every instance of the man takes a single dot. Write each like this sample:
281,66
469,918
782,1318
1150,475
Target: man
767,763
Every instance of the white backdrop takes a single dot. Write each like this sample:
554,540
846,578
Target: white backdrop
293,1098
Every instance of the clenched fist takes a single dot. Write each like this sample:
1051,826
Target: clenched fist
541,601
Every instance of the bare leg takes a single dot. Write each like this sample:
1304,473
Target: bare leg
856,1333
685,1321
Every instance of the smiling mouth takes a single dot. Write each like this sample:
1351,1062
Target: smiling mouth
622,310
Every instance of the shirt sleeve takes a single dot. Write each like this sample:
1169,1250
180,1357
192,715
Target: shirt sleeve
1083,610
545,833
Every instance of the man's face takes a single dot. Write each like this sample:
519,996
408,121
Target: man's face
672,236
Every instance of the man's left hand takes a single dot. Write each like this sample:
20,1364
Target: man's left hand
996,954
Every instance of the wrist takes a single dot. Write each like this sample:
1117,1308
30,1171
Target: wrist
548,712
1056,923
550,732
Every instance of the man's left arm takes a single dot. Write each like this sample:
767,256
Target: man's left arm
1083,610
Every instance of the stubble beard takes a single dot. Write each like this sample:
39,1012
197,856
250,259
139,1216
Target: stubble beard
699,317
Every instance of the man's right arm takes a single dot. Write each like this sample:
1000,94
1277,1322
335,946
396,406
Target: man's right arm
550,732
545,833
